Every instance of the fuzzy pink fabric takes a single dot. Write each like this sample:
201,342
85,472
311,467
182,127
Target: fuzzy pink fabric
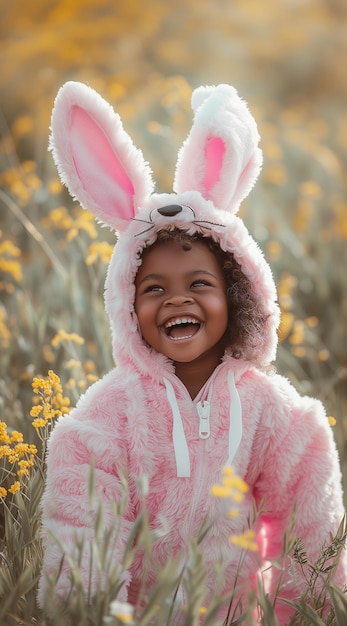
123,424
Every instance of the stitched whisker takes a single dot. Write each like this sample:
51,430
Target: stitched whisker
136,219
144,231
202,222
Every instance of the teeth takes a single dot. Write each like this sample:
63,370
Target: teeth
181,320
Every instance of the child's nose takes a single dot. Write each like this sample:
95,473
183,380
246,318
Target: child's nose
178,300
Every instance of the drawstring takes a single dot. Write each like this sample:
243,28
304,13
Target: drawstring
235,416
179,438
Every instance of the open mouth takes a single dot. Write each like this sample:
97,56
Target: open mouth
182,328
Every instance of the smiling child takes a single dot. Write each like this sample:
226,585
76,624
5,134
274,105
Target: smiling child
194,319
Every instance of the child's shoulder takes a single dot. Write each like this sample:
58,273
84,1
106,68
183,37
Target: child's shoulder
104,401
275,390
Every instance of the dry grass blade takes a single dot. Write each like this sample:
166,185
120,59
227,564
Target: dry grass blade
339,601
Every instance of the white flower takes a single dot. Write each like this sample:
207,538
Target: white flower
122,610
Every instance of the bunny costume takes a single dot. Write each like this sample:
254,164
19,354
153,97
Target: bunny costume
139,420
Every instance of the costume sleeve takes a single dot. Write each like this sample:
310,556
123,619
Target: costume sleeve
88,444
299,468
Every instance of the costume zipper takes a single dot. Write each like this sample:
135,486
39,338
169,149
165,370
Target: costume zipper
204,409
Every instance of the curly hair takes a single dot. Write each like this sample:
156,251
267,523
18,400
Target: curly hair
246,319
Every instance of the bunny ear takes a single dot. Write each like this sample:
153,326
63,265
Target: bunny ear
220,157
96,158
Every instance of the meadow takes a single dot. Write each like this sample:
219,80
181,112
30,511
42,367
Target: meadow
286,61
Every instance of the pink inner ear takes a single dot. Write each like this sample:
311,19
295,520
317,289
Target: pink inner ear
214,153
99,170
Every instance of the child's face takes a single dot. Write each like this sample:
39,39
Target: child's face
181,302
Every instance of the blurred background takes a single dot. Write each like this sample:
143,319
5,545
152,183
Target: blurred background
287,58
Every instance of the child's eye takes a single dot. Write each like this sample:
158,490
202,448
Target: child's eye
200,283
151,288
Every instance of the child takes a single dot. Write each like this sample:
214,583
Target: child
194,316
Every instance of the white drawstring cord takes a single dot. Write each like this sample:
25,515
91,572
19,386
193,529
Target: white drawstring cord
179,438
235,426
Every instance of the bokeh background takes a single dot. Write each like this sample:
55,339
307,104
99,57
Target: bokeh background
287,58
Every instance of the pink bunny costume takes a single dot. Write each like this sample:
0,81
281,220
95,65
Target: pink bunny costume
139,420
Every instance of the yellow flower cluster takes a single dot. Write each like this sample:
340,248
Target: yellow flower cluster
5,334
20,457
246,541
51,402
22,180
232,486
99,250
295,330
61,218
235,488
62,335
9,265
17,457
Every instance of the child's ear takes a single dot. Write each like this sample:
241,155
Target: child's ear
96,158
220,157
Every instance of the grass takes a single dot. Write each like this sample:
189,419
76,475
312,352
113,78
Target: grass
53,257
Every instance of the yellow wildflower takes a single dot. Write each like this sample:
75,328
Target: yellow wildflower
5,451
232,486
92,378
275,174
323,355
53,378
71,234
297,335
52,402
3,492
48,354
60,402
54,186
16,437
24,466
8,263
62,335
274,250
246,541
39,422
298,351
99,250
21,449
22,126
311,189
286,325
312,321
13,457
5,334
73,363
15,487
36,410
23,472
89,366
48,412
3,433
331,420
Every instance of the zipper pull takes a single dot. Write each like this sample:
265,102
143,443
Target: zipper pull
204,415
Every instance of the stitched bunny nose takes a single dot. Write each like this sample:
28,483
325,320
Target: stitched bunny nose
170,210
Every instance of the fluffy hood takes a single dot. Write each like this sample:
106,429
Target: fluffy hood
217,166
